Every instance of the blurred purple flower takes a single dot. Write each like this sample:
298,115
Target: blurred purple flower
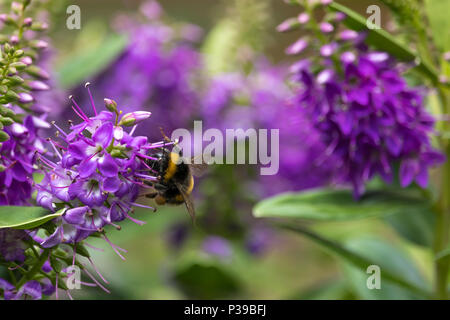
217,246
263,100
156,72
366,114
259,240
177,235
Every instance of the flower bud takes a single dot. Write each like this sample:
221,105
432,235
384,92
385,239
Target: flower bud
16,7
39,26
303,18
7,47
447,56
4,111
27,60
11,96
25,97
288,25
14,39
111,105
6,121
37,72
39,44
133,118
37,85
18,65
14,80
28,22
19,53
3,136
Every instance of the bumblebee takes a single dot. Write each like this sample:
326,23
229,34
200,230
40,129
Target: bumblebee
175,180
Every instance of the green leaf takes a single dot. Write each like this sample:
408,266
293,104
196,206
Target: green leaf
437,11
325,204
390,259
357,260
25,217
416,226
382,40
329,290
91,62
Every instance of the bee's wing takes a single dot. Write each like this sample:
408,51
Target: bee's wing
199,165
187,200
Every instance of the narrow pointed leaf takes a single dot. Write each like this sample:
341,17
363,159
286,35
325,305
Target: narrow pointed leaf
357,260
338,205
25,217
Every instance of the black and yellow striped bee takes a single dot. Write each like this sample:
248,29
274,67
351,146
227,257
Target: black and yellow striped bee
175,180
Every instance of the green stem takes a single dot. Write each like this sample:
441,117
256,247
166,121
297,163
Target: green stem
442,210
35,269
12,276
319,35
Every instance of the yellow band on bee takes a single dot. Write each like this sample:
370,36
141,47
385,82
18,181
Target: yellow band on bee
191,186
172,166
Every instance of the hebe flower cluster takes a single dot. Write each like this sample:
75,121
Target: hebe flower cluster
97,175
22,82
19,73
369,118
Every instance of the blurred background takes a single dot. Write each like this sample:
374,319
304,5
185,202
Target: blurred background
228,254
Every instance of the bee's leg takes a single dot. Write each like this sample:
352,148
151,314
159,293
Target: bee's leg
160,187
149,183
151,195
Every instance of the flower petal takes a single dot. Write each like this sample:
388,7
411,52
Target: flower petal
408,170
111,184
104,134
76,215
108,166
87,168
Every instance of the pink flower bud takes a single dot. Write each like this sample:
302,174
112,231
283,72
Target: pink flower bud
133,118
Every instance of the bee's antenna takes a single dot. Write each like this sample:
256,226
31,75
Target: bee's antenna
166,138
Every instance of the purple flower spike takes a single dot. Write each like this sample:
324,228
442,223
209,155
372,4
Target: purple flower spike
370,119
98,175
